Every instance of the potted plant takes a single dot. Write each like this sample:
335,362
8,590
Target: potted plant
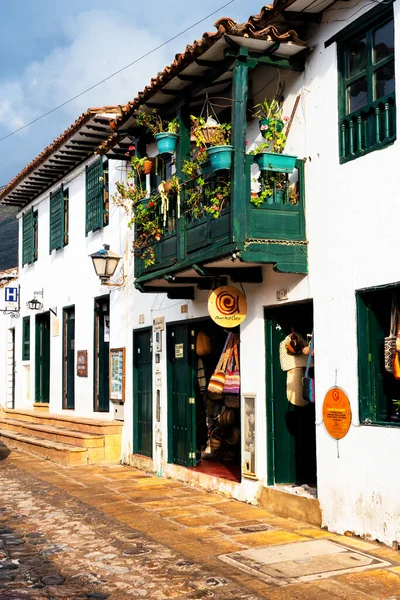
273,126
144,214
215,137
142,166
164,132
275,189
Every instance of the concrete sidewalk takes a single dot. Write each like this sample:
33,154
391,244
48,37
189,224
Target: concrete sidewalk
220,534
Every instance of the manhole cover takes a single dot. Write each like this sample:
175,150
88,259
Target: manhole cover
302,561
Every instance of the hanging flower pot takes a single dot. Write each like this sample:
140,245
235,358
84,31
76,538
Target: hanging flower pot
146,168
166,142
271,161
220,157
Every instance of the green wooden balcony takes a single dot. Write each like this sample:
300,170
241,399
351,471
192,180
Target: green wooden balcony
271,233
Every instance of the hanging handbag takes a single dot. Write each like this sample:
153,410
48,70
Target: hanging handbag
217,380
232,378
308,382
389,343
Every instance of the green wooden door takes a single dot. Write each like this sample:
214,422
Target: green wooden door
69,358
291,429
102,355
142,393
42,358
181,395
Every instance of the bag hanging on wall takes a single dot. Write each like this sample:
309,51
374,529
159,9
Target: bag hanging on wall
217,380
308,382
232,378
203,344
295,343
389,343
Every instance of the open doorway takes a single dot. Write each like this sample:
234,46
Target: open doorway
291,421
204,428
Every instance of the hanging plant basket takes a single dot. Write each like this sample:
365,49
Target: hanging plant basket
220,157
166,142
281,163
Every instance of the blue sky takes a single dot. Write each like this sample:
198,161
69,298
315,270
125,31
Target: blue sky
50,51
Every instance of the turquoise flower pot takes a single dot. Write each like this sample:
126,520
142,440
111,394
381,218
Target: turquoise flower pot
281,163
166,142
220,157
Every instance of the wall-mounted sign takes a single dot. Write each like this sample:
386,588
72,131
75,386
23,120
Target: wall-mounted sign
55,327
282,294
227,306
159,324
11,301
336,413
117,374
82,363
178,350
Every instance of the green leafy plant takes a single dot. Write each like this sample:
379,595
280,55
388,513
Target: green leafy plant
273,125
194,199
272,183
191,167
220,135
217,198
154,122
143,212
268,110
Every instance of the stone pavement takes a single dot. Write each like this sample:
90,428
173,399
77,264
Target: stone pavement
116,532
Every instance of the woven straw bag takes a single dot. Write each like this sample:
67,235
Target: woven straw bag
217,380
389,343
203,344
232,379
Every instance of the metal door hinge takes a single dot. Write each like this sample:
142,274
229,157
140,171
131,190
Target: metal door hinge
192,400
192,454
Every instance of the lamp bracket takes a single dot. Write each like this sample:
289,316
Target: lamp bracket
53,310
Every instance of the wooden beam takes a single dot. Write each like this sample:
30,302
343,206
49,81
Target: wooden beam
305,17
95,128
96,136
190,78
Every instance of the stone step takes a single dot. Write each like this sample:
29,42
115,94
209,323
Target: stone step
74,422
56,434
58,452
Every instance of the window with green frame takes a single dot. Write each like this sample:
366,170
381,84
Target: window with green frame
26,338
29,237
367,103
58,219
97,195
379,391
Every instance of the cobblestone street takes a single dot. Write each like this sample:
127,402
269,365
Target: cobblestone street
115,532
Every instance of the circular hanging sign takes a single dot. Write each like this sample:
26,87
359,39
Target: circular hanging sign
336,413
227,306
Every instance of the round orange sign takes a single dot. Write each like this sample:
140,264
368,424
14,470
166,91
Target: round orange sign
336,413
227,306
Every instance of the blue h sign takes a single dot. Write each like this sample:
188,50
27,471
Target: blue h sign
11,294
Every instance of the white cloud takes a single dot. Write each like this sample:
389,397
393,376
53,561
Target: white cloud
98,43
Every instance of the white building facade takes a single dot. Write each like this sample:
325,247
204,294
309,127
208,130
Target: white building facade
322,264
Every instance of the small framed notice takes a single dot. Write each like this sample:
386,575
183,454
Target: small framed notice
82,363
117,374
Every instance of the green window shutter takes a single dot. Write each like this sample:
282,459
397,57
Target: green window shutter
26,338
57,219
94,196
28,238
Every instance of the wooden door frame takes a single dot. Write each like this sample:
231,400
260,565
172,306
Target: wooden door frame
97,300
135,405
269,386
11,333
65,310
38,318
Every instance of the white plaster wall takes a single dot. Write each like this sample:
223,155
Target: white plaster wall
67,278
352,211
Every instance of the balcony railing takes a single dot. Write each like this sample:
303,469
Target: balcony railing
368,129
262,234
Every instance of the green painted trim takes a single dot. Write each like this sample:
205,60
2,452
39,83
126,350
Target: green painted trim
269,399
362,23
148,330
26,338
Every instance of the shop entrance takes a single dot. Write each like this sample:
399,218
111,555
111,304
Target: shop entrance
204,428
291,427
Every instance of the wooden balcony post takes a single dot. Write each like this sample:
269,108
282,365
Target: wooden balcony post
183,152
239,132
